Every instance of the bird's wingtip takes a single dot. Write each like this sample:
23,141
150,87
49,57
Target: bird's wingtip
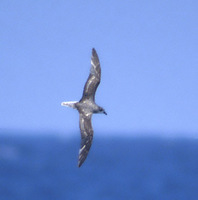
93,51
79,164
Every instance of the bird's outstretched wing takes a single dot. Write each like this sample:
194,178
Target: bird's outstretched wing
86,137
94,78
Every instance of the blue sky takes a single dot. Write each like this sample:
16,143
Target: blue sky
148,54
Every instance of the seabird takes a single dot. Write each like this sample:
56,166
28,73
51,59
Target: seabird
87,106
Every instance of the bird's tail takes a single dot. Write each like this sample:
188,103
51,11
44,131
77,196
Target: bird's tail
69,104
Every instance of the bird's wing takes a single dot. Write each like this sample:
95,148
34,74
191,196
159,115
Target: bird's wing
86,137
94,78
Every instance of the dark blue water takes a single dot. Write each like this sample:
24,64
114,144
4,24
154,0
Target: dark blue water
45,168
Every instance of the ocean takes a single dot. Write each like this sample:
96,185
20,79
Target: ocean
137,168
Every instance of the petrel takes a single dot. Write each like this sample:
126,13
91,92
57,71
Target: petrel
87,106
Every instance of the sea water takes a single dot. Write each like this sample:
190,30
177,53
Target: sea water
45,168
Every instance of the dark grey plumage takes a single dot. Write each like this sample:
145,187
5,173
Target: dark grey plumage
87,106
94,78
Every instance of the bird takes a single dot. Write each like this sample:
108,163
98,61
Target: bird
87,106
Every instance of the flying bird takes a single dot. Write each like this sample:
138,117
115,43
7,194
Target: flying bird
87,106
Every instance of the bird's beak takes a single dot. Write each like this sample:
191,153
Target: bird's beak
105,113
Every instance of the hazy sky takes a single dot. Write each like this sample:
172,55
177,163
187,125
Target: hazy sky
148,52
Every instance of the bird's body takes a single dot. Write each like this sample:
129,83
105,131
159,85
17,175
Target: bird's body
87,106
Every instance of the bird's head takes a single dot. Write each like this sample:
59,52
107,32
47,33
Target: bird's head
102,111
